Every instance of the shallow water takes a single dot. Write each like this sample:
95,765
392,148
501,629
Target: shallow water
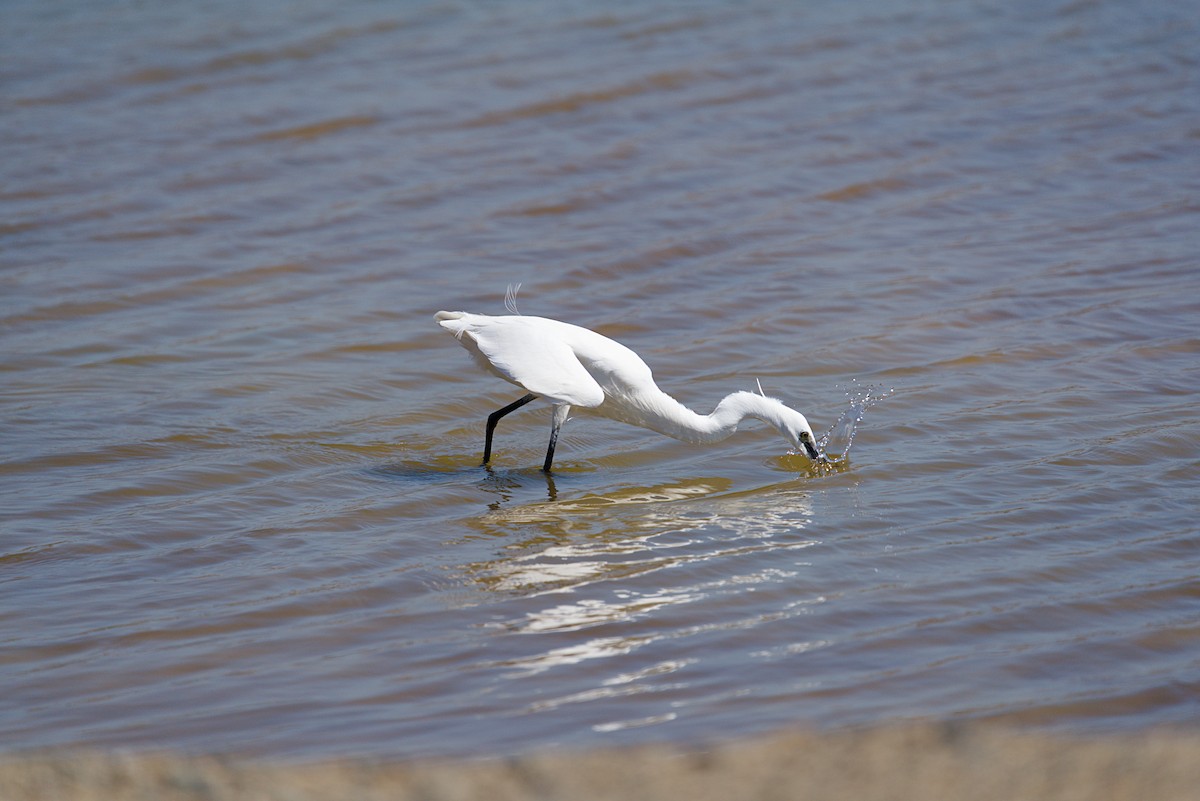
241,494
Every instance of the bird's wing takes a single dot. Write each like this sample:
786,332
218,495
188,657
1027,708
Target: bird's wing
535,356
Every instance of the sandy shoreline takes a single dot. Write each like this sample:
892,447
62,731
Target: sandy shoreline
929,762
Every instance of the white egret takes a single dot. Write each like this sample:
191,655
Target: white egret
572,366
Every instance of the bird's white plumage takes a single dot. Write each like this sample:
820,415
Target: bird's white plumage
558,361
572,366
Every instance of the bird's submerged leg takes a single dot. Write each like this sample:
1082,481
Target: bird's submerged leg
560,417
494,418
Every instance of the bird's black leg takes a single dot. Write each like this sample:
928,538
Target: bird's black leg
550,451
560,417
494,418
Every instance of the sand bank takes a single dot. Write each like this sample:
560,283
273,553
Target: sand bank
927,762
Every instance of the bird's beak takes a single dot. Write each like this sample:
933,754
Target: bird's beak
812,451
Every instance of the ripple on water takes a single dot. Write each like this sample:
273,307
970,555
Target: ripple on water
240,466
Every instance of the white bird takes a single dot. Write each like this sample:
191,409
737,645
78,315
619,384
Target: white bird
572,366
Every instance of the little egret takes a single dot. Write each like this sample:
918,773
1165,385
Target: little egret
572,366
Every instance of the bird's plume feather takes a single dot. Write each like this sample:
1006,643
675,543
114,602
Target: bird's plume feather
510,298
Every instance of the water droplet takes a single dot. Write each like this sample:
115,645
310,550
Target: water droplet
835,444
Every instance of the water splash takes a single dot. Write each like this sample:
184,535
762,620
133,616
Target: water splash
835,444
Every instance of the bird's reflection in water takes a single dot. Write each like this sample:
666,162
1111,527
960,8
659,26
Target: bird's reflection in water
601,545
506,483
561,510
598,564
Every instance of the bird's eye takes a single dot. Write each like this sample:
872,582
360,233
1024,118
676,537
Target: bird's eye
804,437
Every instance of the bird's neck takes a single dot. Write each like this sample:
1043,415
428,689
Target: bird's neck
673,419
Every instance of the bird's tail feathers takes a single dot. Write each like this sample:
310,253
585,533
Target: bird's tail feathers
449,321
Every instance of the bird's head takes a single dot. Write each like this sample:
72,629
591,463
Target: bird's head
800,434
